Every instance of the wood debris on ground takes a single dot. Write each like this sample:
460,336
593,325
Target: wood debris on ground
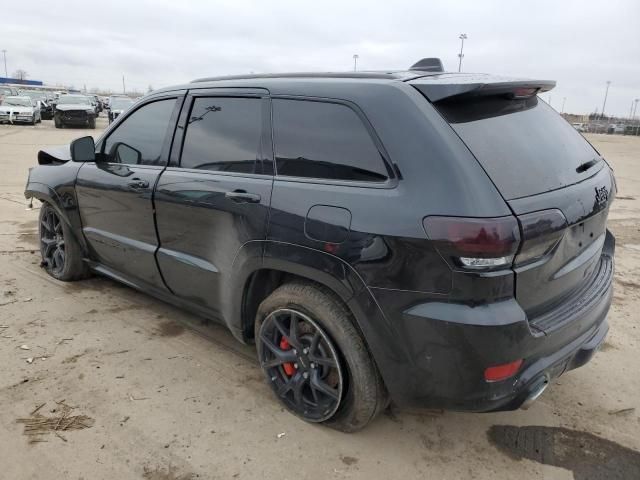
37,425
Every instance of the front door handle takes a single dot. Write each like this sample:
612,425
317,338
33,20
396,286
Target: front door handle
242,196
138,183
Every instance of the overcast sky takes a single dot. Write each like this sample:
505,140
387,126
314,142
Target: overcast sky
580,44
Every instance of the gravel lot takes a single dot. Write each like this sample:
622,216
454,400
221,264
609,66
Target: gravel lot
164,402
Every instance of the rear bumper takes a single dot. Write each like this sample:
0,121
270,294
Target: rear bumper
435,352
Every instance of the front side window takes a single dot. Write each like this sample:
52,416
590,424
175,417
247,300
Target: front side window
224,135
140,137
325,141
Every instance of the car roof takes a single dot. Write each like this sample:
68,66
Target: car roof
272,79
439,81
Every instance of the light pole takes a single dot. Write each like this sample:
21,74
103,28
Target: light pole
124,90
355,61
635,107
6,73
604,103
462,37
564,99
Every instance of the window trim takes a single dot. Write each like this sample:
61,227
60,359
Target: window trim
390,183
168,135
266,151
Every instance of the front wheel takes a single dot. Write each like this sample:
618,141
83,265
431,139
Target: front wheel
315,359
61,253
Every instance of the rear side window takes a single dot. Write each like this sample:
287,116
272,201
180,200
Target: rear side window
139,139
223,134
325,141
524,145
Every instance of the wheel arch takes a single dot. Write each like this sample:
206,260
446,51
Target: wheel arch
64,203
261,267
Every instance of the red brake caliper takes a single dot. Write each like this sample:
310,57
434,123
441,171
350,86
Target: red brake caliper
289,369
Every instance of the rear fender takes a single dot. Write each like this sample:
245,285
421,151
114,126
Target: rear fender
330,271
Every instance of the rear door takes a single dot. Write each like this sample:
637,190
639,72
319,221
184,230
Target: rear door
214,197
115,193
554,181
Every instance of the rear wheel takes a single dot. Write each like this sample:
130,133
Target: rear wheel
315,359
61,254
57,122
92,122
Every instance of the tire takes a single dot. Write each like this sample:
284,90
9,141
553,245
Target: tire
362,393
57,122
60,251
92,123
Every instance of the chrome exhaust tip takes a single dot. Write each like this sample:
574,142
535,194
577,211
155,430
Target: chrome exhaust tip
535,393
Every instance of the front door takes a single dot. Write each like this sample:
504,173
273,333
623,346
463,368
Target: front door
115,194
216,198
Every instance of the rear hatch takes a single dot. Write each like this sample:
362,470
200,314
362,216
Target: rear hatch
555,182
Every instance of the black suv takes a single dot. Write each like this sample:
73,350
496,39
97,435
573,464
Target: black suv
432,239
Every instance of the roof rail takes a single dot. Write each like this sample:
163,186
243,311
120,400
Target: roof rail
372,75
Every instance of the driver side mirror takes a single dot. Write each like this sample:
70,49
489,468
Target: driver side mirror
83,150
127,154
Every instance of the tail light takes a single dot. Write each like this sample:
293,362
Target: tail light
475,243
541,232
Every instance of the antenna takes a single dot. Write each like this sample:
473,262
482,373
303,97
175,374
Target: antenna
428,65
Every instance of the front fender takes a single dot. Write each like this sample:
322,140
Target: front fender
56,186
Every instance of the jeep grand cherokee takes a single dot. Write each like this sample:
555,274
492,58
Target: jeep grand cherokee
434,239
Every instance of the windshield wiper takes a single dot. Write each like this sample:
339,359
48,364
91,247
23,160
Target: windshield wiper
583,167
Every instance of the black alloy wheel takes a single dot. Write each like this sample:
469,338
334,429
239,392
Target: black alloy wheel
52,244
302,364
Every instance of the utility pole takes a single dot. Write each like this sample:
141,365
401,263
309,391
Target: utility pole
564,99
124,90
462,37
604,103
635,108
6,72
355,61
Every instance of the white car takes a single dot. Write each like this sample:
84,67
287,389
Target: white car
16,109
117,106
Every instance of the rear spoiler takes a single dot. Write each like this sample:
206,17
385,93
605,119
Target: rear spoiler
458,86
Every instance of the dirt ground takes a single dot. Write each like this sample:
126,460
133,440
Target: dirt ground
129,393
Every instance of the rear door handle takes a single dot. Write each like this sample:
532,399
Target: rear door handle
138,183
241,196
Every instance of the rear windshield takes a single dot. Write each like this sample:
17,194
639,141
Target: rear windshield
524,145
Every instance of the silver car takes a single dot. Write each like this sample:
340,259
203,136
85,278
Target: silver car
15,109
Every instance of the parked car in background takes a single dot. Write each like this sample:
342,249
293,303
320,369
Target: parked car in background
615,128
46,110
579,127
117,106
6,91
439,240
95,100
75,110
19,109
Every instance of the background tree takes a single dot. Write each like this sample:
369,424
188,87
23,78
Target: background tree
20,74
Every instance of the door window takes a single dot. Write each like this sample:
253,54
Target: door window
324,140
139,139
224,135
